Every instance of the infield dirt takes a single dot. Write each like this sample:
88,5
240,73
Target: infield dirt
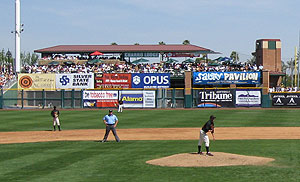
178,160
221,133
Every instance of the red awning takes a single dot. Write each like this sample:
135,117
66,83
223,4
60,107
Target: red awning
96,53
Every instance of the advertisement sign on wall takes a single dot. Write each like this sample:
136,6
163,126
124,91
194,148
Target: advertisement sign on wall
112,80
203,78
216,98
150,80
179,54
248,98
75,81
138,99
149,99
95,98
286,99
36,81
141,54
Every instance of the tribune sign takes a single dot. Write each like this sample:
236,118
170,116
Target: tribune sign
216,98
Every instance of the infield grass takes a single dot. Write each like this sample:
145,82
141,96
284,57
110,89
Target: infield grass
31,120
126,161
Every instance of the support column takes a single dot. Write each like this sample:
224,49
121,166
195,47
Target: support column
265,82
188,89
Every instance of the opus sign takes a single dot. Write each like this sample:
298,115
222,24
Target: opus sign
150,80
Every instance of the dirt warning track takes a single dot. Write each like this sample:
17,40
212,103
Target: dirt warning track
221,133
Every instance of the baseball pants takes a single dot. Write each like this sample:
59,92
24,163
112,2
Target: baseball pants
56,121
113,129
203,138
120,109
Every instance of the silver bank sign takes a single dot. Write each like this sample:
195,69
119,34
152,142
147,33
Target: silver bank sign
73,81
213,78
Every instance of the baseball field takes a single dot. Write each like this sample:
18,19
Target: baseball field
30,151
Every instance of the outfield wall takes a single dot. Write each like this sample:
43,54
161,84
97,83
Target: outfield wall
143,90
134,98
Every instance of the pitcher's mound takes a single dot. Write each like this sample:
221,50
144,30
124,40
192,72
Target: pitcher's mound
219,159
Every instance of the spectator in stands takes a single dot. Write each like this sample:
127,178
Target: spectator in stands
174,68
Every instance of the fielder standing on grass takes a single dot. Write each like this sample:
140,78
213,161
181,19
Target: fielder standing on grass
120,106
55,114
111,121
208,126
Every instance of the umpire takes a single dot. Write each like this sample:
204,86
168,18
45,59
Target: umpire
110,120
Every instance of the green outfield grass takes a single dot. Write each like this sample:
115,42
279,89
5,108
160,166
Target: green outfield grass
125,161
25,120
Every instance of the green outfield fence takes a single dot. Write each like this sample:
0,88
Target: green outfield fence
165,98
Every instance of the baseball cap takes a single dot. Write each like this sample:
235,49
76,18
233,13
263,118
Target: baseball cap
110,111
212,117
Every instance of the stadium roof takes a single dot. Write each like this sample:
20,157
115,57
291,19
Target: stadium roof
77,49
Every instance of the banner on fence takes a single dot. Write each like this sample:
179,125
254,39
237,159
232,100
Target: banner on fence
150,80
95,98
112,80
75,81
138,99
248,98
216,98
36,81
203,78
286,99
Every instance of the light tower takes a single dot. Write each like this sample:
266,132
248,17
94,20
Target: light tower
17,32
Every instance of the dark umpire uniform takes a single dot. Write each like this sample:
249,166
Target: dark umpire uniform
111,121
208,126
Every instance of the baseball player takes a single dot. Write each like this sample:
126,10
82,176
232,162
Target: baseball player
110,120
55,114
120,106
208,126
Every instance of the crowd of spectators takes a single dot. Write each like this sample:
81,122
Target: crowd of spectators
73,57
173,68
176,69
6,75
284,89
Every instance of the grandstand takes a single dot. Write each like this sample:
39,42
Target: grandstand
102,69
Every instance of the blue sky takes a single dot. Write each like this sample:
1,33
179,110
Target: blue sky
220,25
